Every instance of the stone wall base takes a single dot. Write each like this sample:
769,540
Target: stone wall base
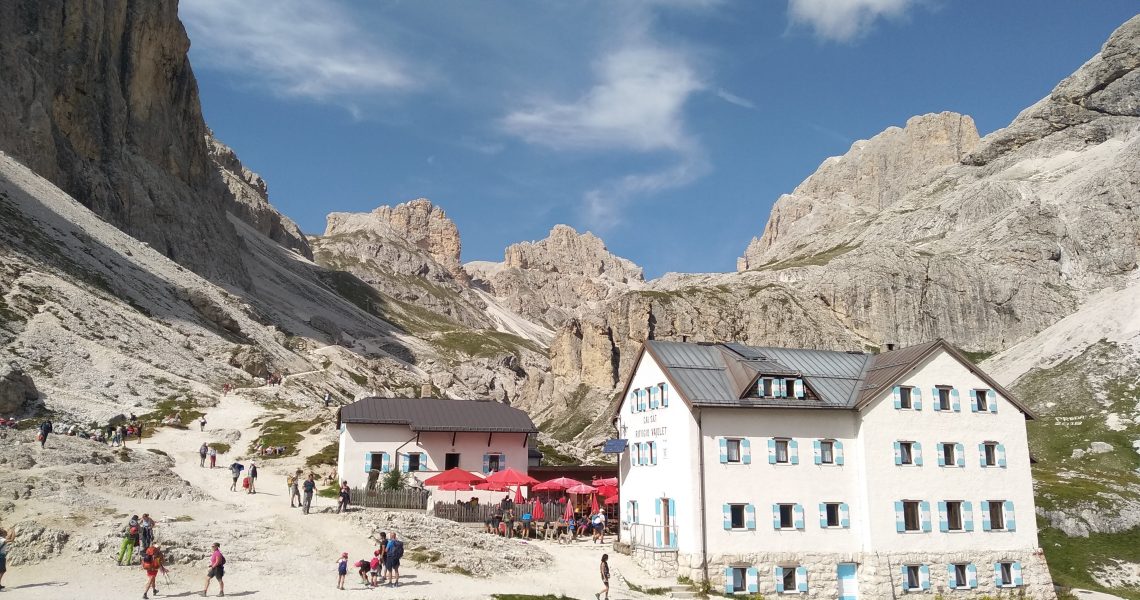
879,574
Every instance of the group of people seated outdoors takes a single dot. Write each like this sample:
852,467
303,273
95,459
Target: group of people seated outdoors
263,450
505,521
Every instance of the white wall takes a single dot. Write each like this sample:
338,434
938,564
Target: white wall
674,475
763,484
359,439
881,425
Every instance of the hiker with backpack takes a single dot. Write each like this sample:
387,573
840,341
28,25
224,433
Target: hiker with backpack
309,486
130,541
252,478
341,570
395,551
235,469
146,532
213,457
152,564
294,484
202,452
345,494
202,423
45,429
217,570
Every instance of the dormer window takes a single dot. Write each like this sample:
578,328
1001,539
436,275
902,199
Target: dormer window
765,388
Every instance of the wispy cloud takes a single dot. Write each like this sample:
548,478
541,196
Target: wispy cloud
731,98
844,20
604,206
293,48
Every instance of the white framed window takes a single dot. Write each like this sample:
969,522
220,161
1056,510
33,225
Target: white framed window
915,578
906,401
908,453
962,576
783,451
791,579
997,515
982,397
943,400
912,516
787,516
834,515
912,520
827,452
766,387
634,454
739,516
733,448
782,454
739,579
1007,574
992,454
632,512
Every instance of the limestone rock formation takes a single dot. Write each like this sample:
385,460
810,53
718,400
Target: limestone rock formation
558,278
18,392
100,99
251,200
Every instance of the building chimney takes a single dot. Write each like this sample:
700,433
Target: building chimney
685,339
425,390
890,346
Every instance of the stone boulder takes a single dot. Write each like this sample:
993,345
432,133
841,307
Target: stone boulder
18,392
252,360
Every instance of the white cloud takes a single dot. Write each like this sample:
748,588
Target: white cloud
635,104
294,48
731,98
605,205
844,20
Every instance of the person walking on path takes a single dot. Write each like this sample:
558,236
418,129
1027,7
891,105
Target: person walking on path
252,478
213,457
294,482
604,571
235,470
342,504
45,429
146,532
127,548
392,556
3,556
217,570
152,564
202,423
139,431
202,453
310,487
341,570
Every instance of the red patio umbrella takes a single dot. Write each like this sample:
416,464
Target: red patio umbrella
454,486
518,495
537,513
607,481
511,477
612,500
607,490
555,485
455,475
582,488
593,504
491,487
569,512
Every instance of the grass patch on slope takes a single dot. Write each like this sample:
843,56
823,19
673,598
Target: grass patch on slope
327,456
1069,558
484,343
814,260
279,432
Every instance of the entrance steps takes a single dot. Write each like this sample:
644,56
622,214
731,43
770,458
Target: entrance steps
681,591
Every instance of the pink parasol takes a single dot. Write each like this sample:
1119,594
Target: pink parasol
607,481
582,488
491,487
593,504
607,490
518,495
453,476
537,513
454,486
612,500
555,485
511,477
569,512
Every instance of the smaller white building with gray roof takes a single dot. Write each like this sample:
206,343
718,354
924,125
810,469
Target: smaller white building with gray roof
827,474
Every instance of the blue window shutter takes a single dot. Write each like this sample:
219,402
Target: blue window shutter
424,461
1010,521
367,462
779,573
728,589
775,516
917,450
771,451
652,398
405,462
997,575
968,515
801,579
660,541
960,454
665,394
941,454
816,454
1001,455
779,388
752,577
955,402
898,454
993,402
924,577
723,450
1016,568
794,450
750,517
924,508
935,399
982,454
984,506
971,576
822,515
905,582
632,400
645,453
844,515
727,516
943,521
973,401
897,396
799,388
385,463
953,576
798,515
916,398
746,451
900,522
837,450
653,453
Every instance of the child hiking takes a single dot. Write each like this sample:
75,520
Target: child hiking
341,570
152,564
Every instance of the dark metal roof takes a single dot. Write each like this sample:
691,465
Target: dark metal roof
433,414
718,375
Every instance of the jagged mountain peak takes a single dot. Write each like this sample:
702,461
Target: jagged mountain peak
566,251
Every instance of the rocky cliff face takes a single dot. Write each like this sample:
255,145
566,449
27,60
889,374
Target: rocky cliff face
100,99
251,200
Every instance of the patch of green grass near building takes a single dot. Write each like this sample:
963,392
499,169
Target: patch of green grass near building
279,432
332,490
1070,558
551,456
653,591
327,456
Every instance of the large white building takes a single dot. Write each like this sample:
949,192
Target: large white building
424,436
828,474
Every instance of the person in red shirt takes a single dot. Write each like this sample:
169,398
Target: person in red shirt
152,564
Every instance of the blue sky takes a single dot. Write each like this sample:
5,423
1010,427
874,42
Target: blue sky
667,127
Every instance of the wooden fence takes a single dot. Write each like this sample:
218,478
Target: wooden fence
410,498
479,513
